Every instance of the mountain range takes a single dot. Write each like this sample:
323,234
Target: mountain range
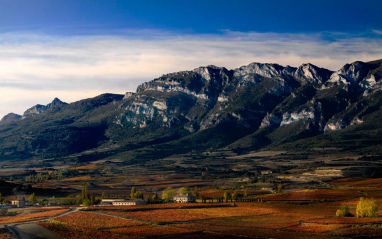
257,106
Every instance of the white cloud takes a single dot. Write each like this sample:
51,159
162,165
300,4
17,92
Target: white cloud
36,68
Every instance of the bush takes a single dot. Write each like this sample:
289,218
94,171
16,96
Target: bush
57,222
343,212
86,203
367,208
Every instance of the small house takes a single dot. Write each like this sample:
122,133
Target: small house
184,198
18,203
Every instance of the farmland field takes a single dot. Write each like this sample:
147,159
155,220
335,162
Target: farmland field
279,195
32,215
256,219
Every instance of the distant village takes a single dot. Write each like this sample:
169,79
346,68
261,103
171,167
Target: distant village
22,202
182,195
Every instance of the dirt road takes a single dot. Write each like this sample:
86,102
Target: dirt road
29,230
33,231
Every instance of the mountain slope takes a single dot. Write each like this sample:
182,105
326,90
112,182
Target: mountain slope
254,106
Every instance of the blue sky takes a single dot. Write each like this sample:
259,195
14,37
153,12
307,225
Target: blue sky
74,49
70,17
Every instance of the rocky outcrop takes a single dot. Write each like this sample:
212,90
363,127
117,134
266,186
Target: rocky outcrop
56,104
10,118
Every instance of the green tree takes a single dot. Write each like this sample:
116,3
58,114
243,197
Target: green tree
32,198
138,194
133,192
226,196
236,195
279,188
86,203
85,194
367,208
97,200
155,197
183,191
343,212
168,193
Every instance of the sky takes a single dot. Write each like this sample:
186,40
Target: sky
76,49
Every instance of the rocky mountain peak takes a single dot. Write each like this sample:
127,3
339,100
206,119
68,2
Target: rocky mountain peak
38,109
312,73
289,70
209,68
56,102
213,74
10,118
350,74
128,95
262,69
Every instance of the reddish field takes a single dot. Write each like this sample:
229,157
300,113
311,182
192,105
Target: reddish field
269,220
314,194
81,178
149,230
153,206
93,225
367,182
345,220
293,214
4,234
32,216
75,231
177,215
213,193
371,231
316,228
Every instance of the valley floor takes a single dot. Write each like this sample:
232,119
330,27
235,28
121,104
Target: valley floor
306,213
291,195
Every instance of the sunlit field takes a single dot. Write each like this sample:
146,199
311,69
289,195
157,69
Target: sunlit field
298,213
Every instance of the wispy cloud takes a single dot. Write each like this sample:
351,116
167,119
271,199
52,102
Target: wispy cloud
378,32
36,68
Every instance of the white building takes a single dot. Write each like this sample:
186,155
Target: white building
110,201
18,203
132,202
184,198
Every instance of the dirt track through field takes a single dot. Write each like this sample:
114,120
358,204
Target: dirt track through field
29,230
33,231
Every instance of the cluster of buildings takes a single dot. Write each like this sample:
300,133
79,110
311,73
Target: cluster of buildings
111,202
184,198
132,202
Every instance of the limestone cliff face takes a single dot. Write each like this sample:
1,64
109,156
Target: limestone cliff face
253,105
255,96
210,95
